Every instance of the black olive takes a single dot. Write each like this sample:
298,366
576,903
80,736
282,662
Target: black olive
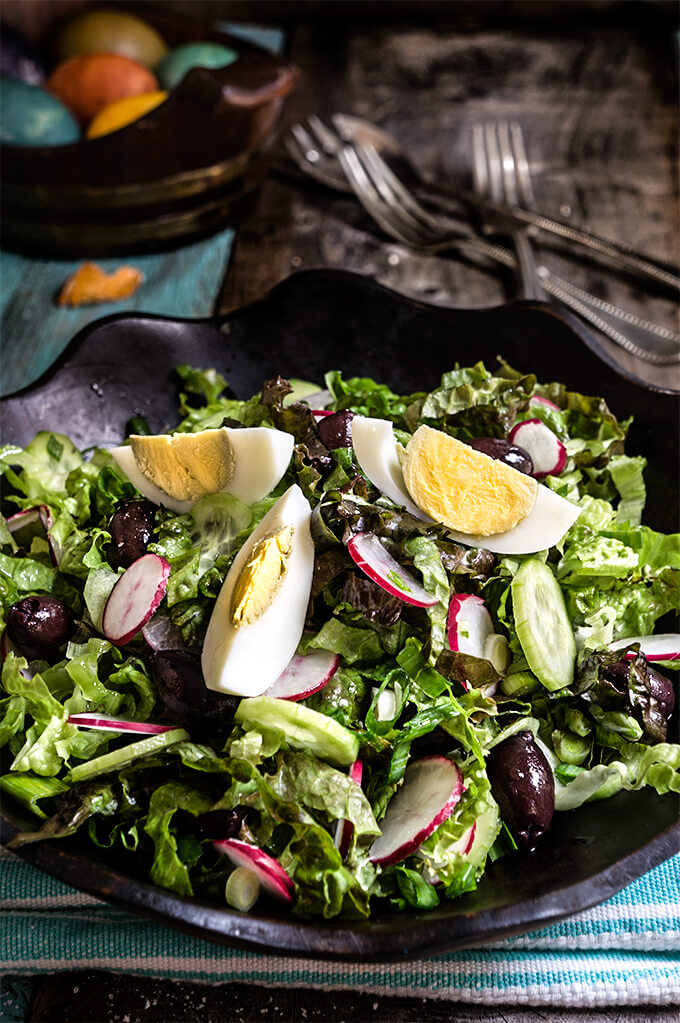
131,527
523,786
206,714
39,626
504,451
660,688
213,824
335,431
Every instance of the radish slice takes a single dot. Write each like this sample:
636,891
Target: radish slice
547,451
319,413
25,517
432,787
104,723
663,647
161,633
28,517
370,556
305,674
465,842
469,624
537,399
134,598
344,828
271,875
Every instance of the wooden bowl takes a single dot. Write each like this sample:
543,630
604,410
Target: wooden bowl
180,172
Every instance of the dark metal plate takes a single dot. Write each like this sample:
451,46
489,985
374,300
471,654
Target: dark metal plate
312,322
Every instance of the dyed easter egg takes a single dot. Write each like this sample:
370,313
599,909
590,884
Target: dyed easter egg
19,58
175,64
88,83
122,112
105,30
32,117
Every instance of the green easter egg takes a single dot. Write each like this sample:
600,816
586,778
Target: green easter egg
175,65
29,116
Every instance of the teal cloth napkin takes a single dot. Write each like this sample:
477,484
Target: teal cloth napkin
625,952
35,330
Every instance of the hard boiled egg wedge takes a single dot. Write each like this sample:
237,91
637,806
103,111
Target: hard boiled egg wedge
260,612
483,502
378,455
177,469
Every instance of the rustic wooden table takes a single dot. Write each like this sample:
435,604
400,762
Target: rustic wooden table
596,96
595,87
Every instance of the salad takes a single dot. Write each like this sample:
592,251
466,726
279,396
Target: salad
339,647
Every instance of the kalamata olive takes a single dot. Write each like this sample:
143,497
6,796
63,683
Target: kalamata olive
504,451
38,626
335,431
131,527
660,688
213,824
523,785
187,699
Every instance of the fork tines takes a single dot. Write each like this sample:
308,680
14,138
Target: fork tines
500,164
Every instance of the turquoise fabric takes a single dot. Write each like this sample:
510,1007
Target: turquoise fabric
625,952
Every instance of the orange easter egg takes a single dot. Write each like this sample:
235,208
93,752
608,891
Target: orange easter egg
86,84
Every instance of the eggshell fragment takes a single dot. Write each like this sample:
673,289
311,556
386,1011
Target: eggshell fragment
90,284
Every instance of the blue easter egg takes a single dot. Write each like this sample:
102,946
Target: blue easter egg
171,70
29,116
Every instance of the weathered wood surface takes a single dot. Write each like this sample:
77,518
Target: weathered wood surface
597,102
103,998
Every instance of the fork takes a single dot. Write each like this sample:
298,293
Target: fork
396,210
500,171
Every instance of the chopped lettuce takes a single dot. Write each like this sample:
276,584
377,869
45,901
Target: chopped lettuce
398,693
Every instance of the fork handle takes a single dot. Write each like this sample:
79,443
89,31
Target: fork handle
619,255
628,331
531,288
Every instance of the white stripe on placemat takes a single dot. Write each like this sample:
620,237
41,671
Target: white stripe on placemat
561,981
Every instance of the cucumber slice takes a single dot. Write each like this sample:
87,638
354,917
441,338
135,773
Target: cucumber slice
543,627
126,755
303,728
487,826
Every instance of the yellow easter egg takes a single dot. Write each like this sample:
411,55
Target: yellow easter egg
124,111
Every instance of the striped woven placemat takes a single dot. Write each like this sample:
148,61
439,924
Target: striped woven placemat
625,952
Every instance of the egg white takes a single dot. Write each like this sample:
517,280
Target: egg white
377,453
261,457
245,661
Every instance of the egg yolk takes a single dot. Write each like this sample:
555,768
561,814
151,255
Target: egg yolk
462,488
260,577
186,466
